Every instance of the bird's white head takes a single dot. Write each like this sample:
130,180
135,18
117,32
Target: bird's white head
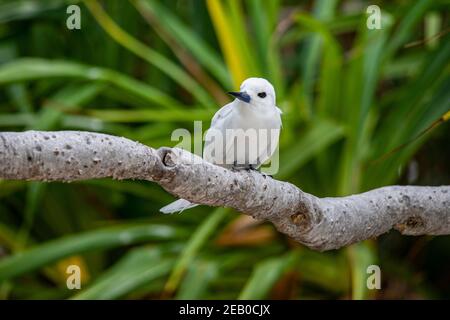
257,92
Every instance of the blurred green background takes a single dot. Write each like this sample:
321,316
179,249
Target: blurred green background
142,68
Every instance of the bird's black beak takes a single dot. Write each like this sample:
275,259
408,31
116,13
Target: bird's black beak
243,96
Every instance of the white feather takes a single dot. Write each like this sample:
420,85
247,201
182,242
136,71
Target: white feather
177,206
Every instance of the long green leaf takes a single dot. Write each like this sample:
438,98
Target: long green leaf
310,55
28,69
317,138
136,269
360,257
194,244
265,275
199,48
102,239
152,115
151,56
198,277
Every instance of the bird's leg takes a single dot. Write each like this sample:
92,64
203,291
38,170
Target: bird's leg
266,175
251,167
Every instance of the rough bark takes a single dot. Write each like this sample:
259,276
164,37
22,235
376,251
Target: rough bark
319,223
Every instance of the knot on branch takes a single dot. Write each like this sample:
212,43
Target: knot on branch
172,157
172,160
410,224
167,157
301,219
305,216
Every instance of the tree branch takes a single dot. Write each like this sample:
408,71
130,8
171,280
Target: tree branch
319,223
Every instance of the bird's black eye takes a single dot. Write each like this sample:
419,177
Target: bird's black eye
262,94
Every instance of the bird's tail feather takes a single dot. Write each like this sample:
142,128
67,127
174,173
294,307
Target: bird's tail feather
178,206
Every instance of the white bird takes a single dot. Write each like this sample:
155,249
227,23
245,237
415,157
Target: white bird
243,134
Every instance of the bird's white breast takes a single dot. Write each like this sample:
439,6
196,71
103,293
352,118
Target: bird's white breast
250,135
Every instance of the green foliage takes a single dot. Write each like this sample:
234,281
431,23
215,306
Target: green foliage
142,68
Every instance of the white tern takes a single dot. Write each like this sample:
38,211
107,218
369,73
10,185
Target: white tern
243,134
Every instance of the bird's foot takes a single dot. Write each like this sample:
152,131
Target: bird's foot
247,167
235,166
240,167
266,175
251,167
